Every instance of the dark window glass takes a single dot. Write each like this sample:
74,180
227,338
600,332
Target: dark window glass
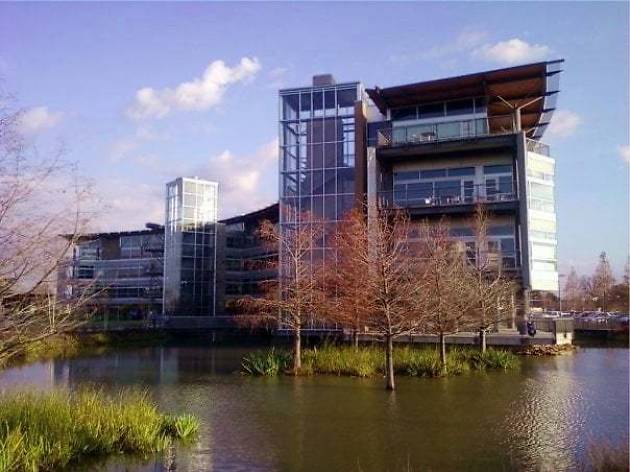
480,104
461,171
433,110
429,174
420,190
329,99
459,107
502,230
318,101
406,175
407,113
503,169
505,184
346,98
290,107
448,188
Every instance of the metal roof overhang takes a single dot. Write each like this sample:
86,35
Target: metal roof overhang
516,87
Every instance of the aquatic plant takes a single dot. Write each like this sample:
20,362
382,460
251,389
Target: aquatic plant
47,431
265,363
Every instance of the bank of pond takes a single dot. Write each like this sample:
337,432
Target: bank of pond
53,430
369,361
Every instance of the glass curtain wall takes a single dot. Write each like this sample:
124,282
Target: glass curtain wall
190,247
317,158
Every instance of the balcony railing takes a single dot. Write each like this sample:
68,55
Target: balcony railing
537,147
442,131
410,196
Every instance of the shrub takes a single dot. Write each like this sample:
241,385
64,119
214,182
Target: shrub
344,360
44,431
269,363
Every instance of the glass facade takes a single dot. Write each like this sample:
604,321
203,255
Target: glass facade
190,247
317,153
541,221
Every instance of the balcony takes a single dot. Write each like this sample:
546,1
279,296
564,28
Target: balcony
415,196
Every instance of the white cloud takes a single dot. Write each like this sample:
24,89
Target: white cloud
37,119
198,94
247,182
512,51
624,153
563,123
129,205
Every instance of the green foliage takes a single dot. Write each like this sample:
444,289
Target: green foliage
268,364
344,360
369,361
46,431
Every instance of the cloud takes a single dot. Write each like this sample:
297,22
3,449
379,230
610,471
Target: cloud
512,51
563,123
465,41
277,77
246,182
624,153
122,149
37,119
198,94
128,205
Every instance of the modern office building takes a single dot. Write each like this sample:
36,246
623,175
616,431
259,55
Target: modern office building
120,272
434,149
190,248
247,261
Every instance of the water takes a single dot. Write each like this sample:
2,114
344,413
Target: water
541,417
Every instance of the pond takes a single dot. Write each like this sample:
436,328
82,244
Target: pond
540,417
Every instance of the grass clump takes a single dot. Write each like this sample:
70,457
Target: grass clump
49,431
267,364
369,361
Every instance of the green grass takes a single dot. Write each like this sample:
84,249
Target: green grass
265,363
369,361
49,431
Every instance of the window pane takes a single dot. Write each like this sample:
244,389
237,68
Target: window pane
290,107
428,174
502,169
459,107
407,175
433,110
461,171
407,113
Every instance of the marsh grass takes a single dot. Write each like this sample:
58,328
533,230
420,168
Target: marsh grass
368,361
49,431
265,363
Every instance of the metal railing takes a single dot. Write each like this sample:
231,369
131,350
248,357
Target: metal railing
442,131
410,196
538,147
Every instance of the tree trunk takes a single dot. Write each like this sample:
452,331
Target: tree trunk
355,339
482,339
443,352
389,362
297,352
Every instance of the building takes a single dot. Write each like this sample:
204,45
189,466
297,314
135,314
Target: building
120,272
247,261
190,248
432,148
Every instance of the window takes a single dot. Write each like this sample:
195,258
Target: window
480,105
502,230
461,171
449,130
430,174
460,107
406,175
407,113
500,169
419,191
461,232
448,188
434,110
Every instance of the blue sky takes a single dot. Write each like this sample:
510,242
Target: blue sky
77,70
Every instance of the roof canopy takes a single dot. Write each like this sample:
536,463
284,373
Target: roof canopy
505,89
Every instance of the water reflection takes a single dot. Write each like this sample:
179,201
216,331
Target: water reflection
538,418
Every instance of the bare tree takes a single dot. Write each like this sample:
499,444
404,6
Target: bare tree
488,288
375,255
40,198
345,286
602,281
295,298
446,301
573,291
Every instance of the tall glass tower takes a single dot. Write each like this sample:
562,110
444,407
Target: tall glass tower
317,154
190,247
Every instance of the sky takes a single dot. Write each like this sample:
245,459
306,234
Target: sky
140,93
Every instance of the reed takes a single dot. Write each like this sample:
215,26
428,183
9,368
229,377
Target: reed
49,431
